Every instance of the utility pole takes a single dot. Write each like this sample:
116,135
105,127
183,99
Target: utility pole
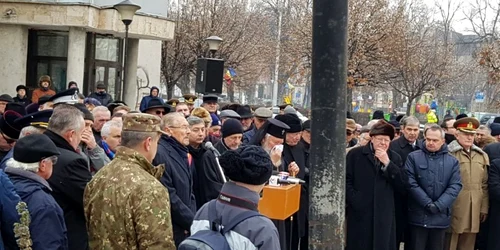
279,8
329,73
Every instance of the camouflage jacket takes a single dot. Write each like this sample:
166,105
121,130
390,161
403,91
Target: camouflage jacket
126,206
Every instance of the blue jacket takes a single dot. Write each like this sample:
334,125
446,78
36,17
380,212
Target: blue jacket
178,179
434,178
145,100
47,227
3,163
247,136
8,213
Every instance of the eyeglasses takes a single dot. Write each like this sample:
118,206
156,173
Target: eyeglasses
8,140
185,127
375,139
348,132
53,159
158,112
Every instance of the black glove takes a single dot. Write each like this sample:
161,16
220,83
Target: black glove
432,208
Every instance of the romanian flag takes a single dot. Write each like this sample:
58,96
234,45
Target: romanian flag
228,76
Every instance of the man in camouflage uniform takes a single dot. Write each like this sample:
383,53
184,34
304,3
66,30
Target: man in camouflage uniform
126,206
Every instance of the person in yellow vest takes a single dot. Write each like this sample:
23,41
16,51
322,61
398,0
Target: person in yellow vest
471,206
431,116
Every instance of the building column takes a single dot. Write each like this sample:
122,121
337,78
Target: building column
130,85
76,55
14,54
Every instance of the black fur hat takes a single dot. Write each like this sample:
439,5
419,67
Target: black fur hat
382,128
248,164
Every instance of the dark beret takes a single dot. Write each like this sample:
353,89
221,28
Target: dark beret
34,148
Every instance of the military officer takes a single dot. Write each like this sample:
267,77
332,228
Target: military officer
471,206
173,102
126,206
189,99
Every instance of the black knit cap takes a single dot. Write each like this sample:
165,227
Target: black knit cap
21,87
306,125
247,164
292,120
34,148
87,115
231,127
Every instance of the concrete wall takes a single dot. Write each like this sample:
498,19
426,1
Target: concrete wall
13,53
152,7
149,65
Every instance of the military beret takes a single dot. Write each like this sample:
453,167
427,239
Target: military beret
141,122
34,148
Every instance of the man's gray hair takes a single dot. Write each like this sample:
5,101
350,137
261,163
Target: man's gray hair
32,167
194,120
411,121
171,119
434,127
64,118
484,128
30,130
371,123
106,128
100,109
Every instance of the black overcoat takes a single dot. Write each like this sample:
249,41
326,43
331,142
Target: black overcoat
370,199
494,212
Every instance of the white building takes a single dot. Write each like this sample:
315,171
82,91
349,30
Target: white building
81,41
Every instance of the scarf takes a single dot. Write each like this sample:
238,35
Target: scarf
107,150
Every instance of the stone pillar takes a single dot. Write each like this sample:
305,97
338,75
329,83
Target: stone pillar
14,55
76,55
130,85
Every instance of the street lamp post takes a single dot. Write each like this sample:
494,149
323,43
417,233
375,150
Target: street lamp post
127,10
213,44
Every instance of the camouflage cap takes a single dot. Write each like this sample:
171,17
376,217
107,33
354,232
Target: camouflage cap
141,122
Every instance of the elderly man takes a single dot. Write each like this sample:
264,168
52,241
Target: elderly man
481,133
403,146
178,175
101,115
71,173
126,206
210,103
429,203
34,158
373,175
210,176
471,206
111,137
260,117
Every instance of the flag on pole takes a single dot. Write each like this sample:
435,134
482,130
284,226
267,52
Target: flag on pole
228,76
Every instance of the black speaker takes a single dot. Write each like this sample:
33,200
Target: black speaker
209,75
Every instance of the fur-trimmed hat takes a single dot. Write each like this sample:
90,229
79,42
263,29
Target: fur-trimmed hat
45,79
203,114
248,164
293,121
382,128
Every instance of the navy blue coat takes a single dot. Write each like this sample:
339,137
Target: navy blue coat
178,178
3,163
434,178
47,227
247,136
8,213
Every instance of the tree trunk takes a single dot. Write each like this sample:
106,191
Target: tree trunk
185,84
408,107
230,92
170,90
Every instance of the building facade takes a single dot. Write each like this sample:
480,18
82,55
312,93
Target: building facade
81,41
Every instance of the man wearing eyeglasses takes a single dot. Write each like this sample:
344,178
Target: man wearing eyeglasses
373,175
350,129
29,170
179,171
157,108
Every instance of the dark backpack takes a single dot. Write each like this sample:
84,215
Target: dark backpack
214,238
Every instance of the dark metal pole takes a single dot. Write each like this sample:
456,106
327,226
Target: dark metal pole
125,62
329,64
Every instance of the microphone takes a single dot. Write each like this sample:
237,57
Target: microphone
210,146
291,180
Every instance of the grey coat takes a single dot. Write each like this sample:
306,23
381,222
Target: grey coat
254,233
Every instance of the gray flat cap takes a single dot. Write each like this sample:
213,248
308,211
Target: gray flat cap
290,110
229,113
263,113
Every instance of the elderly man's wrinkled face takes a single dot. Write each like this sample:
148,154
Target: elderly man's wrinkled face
99,119
465,139
233,141
381,142
481,134
292,139
114,139
210,106
180,131
269,142
246,123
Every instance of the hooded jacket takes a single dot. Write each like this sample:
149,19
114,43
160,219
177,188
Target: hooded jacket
434,178
39,92
47,227
145,100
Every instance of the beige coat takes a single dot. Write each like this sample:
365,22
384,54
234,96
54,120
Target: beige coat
473,199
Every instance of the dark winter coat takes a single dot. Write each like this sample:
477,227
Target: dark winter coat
69,177
448,138
297,154
47,227
103,98
434,178
178,179
145,100
8,213
370,199
403,148
210,176
3,162
247,136
493,151
24,101
494,213
197,155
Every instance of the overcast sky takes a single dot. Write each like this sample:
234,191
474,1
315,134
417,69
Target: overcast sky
460,24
